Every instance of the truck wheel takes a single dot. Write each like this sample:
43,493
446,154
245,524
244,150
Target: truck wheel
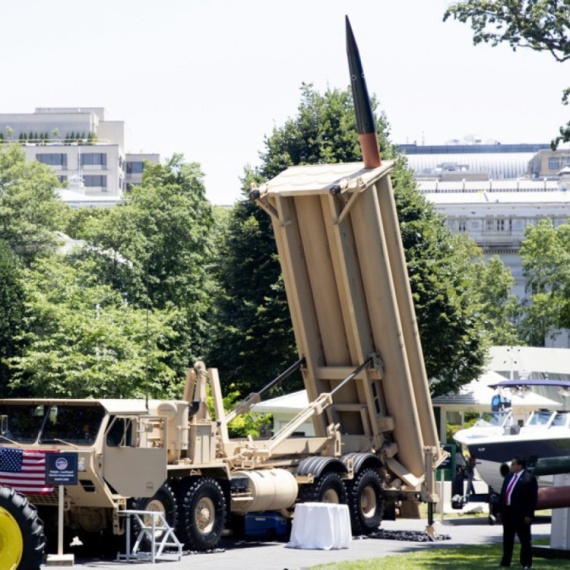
162,501
202,513
22,539
327,488
365,502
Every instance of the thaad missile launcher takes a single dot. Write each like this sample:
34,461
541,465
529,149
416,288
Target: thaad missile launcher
376,445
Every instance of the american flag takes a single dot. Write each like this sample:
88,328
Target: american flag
24,470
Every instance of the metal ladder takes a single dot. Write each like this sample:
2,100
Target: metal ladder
157,543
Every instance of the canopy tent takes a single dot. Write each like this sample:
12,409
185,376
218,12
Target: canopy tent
535,363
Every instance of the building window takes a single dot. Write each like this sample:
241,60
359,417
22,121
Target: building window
135,167
462,225
94,159
565,161
553,163
95,181
489,225
55,159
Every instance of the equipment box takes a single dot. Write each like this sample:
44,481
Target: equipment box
265,525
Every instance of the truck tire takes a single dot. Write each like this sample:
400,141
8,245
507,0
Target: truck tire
22,539
202,515
163,501
365,502
327,488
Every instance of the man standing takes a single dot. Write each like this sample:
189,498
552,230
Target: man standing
517,503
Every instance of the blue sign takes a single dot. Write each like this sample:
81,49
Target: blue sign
61,468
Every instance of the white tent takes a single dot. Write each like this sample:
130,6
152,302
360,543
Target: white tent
284,409
476,397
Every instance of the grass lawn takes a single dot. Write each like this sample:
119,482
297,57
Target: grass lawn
460,558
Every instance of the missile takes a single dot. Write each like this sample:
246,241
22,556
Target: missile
363,109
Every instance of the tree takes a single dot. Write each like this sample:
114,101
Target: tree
11,312
156,248
545,254
500,307
30,208
540,25
447,303
252,314
79,220
82,339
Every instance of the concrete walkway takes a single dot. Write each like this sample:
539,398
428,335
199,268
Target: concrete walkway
239,555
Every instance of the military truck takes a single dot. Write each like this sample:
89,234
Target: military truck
360,357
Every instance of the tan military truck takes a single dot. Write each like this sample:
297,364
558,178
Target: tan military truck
359,353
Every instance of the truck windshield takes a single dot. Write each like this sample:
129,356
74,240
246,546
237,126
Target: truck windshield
21,422
78,425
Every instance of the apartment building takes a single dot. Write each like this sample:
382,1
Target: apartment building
90,153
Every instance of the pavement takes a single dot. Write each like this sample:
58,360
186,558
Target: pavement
241,555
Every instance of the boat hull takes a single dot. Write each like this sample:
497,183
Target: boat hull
491,454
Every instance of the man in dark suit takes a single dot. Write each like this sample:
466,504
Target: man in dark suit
517,503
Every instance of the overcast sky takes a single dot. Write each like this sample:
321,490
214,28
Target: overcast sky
210,78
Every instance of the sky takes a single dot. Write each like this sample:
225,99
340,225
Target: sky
212,78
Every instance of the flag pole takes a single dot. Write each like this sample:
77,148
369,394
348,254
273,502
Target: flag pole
60,522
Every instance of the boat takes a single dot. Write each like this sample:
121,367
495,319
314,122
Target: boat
499,436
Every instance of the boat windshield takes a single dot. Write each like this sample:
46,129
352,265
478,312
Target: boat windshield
540,418
493,419
63,423
560,420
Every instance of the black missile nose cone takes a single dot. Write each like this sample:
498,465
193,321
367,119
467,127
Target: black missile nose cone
362,107
351,47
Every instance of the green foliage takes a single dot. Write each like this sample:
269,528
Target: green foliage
541,25
244,425
11,311
494,282
545,254
81,339
255,342
30,209
79,220
323,131
160,241
440,270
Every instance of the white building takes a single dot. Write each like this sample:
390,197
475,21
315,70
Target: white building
79,143
493,192
495,214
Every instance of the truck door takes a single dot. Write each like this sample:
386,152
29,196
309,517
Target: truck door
134,455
